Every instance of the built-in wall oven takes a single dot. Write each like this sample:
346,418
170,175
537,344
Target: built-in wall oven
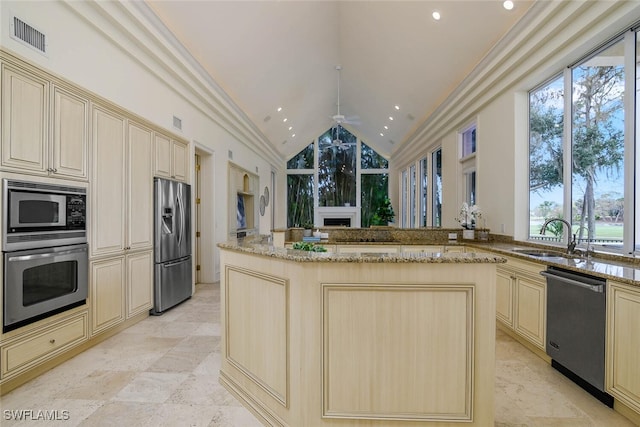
45,252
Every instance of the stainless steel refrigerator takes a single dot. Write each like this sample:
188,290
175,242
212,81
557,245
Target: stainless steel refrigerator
172,244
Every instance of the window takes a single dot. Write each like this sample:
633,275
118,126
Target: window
299,200
328,173
423,192
403,192
597,146
412,196
337,168
436,192
467,139
300,188
546,118
468,142
374,184
592,162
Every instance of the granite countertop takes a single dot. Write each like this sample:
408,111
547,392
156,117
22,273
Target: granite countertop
614,268
363,257
627,272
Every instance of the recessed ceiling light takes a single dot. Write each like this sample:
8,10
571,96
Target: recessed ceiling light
285,119
290,127
266,119
381,134
436,15
397,107
293,136
508,4
386,127
390,118
279,109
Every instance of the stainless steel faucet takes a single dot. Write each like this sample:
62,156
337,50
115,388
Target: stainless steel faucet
571,244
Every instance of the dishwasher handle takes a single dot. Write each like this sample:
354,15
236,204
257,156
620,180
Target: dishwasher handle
595,288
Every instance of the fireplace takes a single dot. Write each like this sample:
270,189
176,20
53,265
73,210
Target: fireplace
337,222
338,216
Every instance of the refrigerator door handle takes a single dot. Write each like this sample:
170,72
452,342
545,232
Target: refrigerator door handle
179,205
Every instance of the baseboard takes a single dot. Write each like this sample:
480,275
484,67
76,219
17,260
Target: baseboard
264,415
531,347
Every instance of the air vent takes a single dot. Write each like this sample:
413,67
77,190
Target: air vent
29,35
177,122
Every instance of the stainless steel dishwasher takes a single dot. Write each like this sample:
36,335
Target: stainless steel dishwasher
576,319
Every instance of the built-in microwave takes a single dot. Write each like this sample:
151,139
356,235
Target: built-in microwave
40,215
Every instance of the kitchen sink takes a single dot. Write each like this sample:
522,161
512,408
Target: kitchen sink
538,252
544,253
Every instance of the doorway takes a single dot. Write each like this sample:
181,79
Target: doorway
205,258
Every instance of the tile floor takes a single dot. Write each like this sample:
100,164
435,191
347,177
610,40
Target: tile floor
163,371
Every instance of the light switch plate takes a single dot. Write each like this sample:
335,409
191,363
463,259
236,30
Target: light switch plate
453,236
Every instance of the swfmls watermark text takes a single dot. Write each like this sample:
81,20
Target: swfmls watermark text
36,415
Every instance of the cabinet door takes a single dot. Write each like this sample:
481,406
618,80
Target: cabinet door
504,297
623,344
139,282
179,161
108,183
378,249
140,188
70,147
162,156
422,249
530,315
107,293
25,106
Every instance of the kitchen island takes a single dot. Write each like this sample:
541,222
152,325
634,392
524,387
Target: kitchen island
359,339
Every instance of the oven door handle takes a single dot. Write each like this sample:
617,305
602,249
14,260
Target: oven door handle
42,256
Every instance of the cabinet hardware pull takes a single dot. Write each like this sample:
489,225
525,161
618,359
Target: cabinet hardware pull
52,341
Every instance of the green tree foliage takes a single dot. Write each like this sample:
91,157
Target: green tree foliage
598,139
300,200
545,141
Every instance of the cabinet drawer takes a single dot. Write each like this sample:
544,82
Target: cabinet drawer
26,351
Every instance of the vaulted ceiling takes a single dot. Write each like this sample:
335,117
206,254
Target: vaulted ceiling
397,63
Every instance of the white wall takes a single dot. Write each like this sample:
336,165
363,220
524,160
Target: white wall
89,45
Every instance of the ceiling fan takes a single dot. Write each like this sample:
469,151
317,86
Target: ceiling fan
338,118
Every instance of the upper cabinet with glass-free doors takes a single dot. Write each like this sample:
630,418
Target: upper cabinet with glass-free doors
47,130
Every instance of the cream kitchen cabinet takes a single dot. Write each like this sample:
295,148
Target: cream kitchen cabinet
170,158
521,300
25,132
121,287
505,283
28,350
623,344
122,185
422,249
107,295
42,137
139,286
122,219
69,152
378,249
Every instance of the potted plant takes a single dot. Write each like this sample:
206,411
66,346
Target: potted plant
308,227
468,218
384,214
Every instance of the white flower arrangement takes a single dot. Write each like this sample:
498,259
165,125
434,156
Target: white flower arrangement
469,216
